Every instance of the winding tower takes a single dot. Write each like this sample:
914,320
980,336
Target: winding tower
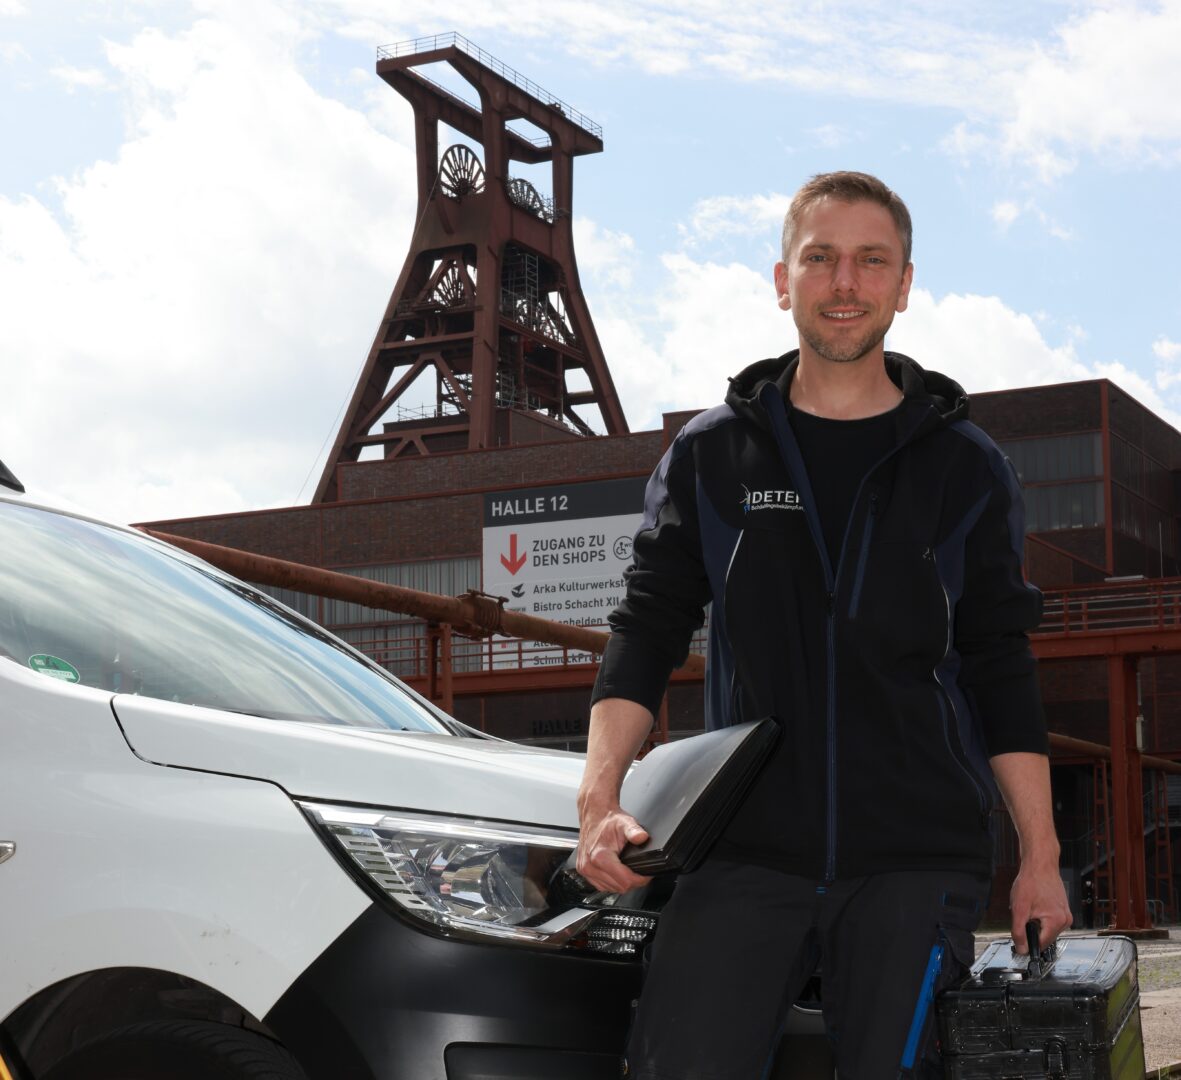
488,305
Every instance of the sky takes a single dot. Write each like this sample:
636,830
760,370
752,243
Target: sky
204,208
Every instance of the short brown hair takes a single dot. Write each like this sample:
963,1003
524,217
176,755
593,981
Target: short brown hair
847,187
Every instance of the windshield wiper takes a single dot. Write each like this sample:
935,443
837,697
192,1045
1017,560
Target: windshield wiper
9,480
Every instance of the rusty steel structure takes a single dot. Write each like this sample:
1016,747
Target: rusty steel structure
488,304
1119,623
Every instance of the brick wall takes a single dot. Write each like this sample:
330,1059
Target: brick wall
1038,410
1143,428
283,534
1089,545
511,466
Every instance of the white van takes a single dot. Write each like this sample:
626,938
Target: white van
233,848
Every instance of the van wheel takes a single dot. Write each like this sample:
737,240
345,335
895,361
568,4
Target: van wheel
179,1050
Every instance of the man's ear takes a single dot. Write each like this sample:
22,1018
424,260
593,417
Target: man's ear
904,291
781,286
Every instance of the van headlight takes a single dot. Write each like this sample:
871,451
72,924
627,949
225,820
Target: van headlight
482,879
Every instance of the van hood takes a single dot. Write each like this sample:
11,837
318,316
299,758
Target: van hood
440,774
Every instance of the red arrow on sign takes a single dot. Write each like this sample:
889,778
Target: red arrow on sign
513,562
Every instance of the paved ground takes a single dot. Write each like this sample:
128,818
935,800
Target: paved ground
1160,998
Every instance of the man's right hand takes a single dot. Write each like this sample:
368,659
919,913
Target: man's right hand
618,728
605,831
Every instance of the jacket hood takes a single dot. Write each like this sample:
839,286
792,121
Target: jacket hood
941,396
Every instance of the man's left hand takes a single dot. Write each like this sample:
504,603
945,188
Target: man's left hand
1038,893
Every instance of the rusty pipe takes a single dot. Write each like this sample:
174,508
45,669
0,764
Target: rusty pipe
1094,749
457,610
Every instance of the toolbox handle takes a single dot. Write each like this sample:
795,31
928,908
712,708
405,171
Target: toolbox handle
1037,955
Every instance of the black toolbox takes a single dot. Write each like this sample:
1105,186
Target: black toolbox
1072,1012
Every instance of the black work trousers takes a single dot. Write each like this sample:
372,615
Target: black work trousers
737,943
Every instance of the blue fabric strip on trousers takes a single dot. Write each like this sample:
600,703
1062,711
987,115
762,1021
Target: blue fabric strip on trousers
922,1007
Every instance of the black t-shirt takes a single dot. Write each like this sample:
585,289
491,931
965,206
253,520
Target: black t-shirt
837,455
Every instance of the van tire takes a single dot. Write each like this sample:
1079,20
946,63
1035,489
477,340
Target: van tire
179,1050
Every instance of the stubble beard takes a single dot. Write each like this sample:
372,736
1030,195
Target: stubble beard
847,352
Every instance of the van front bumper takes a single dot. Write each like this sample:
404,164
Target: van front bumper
386,1001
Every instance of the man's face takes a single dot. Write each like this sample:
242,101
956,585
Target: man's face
844,279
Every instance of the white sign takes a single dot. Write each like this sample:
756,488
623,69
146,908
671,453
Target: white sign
559,553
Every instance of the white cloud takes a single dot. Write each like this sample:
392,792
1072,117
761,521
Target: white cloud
1166,349
830,136
1104,85
715,319
964,144
674,347
191,318
981,343
1168,373
796,44
722,216
708,321
1108,85
985,345
12,8
1102,82
1005,213
76,78
608,256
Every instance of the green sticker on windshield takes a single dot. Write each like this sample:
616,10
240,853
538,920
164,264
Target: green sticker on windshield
55,667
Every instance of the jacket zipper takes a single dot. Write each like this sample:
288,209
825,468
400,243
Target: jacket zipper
735,707
830,860
947,712
862,555
832,579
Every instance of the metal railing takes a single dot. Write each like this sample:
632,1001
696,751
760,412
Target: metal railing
410,657
1100,609
443,41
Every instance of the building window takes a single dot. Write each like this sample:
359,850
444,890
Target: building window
1058,457
1063,506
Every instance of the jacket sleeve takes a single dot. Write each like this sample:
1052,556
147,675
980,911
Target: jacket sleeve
996,610
667,588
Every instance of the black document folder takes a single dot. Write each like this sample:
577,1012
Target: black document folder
684,793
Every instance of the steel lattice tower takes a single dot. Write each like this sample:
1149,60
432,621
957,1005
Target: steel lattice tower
488,298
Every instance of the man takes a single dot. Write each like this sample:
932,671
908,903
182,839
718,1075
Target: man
861,543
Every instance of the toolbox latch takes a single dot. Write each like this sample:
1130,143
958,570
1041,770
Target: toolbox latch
1054,1062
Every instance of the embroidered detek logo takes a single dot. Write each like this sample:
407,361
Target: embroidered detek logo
770,499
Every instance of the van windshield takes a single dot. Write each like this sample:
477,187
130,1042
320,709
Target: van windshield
119,612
